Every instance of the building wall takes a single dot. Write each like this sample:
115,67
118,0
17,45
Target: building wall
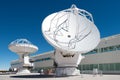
105,57
16,65
99,58
44,60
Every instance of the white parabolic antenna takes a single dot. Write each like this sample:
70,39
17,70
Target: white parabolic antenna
22,46
71,30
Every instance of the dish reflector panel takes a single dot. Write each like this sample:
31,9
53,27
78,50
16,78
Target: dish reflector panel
71,30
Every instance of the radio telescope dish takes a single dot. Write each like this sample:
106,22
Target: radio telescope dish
22,46
71,30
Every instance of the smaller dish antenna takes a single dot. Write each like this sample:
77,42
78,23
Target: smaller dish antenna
23,48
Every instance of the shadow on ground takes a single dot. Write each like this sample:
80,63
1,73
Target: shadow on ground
35,76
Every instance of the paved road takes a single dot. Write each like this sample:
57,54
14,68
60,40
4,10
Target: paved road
38,77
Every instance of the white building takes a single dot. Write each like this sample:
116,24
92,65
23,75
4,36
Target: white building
45,60
105,57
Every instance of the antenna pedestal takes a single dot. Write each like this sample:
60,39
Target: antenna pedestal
26,65
23,71
67,63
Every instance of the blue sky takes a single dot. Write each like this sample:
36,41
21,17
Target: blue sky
23,19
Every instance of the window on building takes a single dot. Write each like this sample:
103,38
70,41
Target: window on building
95,50
95,66
117,66
105,67
91,66
83,67
112,48
92,52
87,67
112,67
118,47
106,49
43,59
102,50
100,66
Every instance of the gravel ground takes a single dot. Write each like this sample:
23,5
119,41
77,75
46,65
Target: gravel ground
41,77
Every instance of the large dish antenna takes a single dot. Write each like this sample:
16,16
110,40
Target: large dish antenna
71,30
